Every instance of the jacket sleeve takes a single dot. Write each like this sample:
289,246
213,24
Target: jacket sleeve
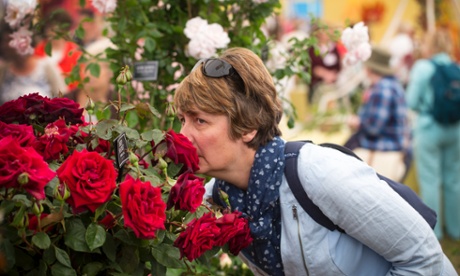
353,197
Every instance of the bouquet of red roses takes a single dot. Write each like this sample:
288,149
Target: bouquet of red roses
90,198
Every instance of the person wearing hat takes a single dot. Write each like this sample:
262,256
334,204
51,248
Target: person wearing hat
381,128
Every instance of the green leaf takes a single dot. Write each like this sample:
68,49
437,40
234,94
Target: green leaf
49,256
94,69
75,236
129,258
100,210
92,269
167,255
41,240
62,257
109,248
95,236
157,268
7,206
150,44
155,135
125,107
48,48
104,128
154,111
59,269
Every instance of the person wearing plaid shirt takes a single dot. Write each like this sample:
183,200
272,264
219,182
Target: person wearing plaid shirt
381,124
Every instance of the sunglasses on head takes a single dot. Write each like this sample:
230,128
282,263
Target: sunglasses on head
215,68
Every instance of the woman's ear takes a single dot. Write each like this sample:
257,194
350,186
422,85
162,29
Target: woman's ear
249,136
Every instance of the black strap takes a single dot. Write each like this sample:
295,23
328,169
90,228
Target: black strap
291,152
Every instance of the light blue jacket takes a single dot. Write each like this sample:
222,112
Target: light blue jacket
385,235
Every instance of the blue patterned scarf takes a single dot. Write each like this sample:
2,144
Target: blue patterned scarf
261,206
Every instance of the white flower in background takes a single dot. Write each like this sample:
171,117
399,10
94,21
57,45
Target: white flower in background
17,10
21,40
105,6
205,38
356,40
259,1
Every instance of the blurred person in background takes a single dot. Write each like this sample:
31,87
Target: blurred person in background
325,64
381,126
24,73
436,146
57,32
402,48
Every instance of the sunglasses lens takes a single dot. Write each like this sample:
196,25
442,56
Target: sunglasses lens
216,68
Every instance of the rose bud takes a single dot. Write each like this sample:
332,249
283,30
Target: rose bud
170,110
23,178
37,208
129,76
122,79
61,192
133,159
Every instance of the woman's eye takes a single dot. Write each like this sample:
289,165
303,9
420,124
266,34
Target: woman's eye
200,121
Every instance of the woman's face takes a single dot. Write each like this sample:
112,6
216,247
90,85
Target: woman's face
209,133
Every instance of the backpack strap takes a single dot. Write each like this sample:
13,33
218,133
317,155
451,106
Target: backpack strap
291,152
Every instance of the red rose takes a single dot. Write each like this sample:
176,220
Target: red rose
64,108
143,208
180,150
199,237
235,231
90,179
24,134
24,110
188,193
109,221
53,143
23,167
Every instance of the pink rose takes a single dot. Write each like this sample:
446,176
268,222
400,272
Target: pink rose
199,237
143,207
187,193
21,40
23,167
90,179
24,134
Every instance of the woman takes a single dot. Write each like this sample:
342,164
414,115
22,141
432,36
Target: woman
230,111
436,146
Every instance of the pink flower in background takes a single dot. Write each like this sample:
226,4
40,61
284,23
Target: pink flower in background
17,10
205,38
105,6
21,41
356,40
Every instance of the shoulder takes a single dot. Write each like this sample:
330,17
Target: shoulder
423,67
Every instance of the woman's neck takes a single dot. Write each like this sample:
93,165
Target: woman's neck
23,66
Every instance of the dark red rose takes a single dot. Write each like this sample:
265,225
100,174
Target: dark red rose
199,237
235,231
24,110
53,143
24,134
23,167
180,150
64,108
143,209
109,221
187,193
90,179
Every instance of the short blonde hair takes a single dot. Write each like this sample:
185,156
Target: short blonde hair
439,41
248,98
